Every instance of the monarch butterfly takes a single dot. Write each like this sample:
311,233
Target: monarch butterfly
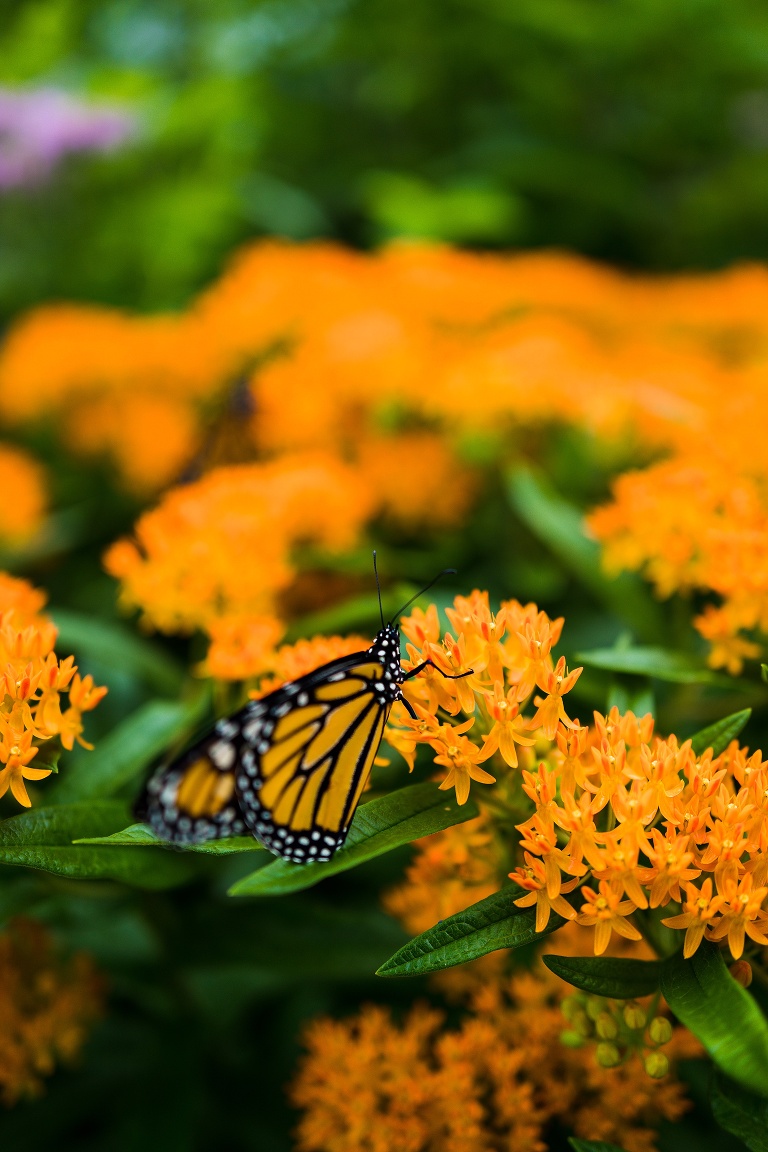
289,768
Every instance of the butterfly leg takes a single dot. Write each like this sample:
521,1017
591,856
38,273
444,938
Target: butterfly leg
431,664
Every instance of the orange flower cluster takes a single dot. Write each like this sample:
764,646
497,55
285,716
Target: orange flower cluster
46,1008
380,359
492,1084
215,554
499,660
22,482
294,660
636,820
32,683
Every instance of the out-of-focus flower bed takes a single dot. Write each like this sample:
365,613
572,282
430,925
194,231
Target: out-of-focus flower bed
406,377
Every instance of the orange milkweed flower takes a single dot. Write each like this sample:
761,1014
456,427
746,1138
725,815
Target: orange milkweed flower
634,807
551,710
700,911
24,488
457,753
577,818
47,1006
670,866
533,876
619,867
740,913
34,682
662,778
472,617
406,737
572,746
509,727
606,912
219,551
542,790
538,836
421,628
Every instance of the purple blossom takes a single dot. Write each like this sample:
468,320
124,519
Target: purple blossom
38,127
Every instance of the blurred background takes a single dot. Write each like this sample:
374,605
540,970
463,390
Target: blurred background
635,132
141,142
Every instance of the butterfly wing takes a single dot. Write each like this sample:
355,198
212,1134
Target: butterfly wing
193,799
307,751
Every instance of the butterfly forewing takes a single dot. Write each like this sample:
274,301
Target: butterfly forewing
310,748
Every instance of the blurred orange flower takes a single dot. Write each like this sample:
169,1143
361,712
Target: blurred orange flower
33,682
47,1007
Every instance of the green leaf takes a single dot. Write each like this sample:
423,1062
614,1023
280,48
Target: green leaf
129,749
43,838
299,937
142,836
740,1112
592,1145
705,997
115,646
605,976
484,927
48,756
659,663
561,527
718,736
378,827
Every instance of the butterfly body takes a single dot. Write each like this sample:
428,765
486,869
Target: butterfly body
289,767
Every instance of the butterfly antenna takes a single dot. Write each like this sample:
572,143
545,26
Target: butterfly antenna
378,587
445,572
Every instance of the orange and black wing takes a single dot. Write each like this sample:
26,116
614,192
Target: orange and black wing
193,799
307,751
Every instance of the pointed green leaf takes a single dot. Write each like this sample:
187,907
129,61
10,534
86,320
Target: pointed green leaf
561,527
741,1112
704,996
48,756
493,923
378,827
142,836
113,645
659,663
718,736
129,749
43,838
606,976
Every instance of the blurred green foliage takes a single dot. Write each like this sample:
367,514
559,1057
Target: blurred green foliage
635,131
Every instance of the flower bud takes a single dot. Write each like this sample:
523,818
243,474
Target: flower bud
571,1039
606,1026
581,1023
656,1065
660,1030
595,1007
742,973
635,1017
608,1055
569,1006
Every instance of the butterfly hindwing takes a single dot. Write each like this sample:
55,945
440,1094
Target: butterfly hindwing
194,799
